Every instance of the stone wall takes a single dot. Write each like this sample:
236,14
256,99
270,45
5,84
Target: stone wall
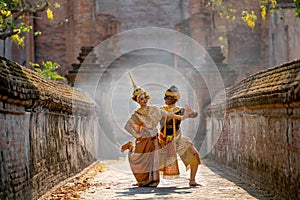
45,129
259,129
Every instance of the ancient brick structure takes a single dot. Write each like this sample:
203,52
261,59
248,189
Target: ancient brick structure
259,128
75,24
87,67
46,132
247,51
87,23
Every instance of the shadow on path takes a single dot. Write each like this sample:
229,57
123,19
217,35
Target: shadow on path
159,191
229,174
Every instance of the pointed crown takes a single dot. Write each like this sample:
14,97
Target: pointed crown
137,91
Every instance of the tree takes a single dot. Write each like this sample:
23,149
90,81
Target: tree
14,16
297,5
227,11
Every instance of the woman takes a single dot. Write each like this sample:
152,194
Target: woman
144,157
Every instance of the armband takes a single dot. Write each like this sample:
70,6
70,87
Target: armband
179,117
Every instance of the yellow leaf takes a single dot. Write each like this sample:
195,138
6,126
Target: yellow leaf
17,39
263,12
56,5
50,14
249,18
251,24
5,13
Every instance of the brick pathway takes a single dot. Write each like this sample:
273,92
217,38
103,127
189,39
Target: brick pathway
115,182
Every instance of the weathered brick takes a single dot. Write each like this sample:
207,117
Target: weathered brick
75,24
266,150
30,154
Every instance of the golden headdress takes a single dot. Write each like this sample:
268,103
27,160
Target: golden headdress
173,92
137,91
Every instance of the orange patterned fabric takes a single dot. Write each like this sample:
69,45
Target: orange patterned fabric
144,159
169,163
172,143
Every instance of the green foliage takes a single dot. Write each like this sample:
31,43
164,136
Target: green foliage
48,70
297,4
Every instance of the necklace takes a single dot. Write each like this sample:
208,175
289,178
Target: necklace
143,111
172,109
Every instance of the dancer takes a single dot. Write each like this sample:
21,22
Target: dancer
142,125
172,141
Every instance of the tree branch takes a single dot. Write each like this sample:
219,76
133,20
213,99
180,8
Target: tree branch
6,34
20,12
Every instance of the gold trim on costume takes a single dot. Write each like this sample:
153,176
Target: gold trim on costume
173,94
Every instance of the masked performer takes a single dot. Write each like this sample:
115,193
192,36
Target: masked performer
144,156
172,141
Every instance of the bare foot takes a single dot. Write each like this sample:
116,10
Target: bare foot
126,146
153,184
193,183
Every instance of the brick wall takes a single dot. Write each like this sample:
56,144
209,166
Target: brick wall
75,24
271,42
14,159
45,129
136,14
260,129
284,38
247,51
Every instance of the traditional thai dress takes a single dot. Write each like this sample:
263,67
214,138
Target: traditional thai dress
172,142
144,159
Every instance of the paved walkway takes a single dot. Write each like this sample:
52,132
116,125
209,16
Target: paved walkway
116,179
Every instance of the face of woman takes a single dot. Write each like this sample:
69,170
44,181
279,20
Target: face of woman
143,100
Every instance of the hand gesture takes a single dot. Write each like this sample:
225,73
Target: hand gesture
185,115
188,110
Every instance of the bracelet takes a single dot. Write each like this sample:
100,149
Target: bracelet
180,117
